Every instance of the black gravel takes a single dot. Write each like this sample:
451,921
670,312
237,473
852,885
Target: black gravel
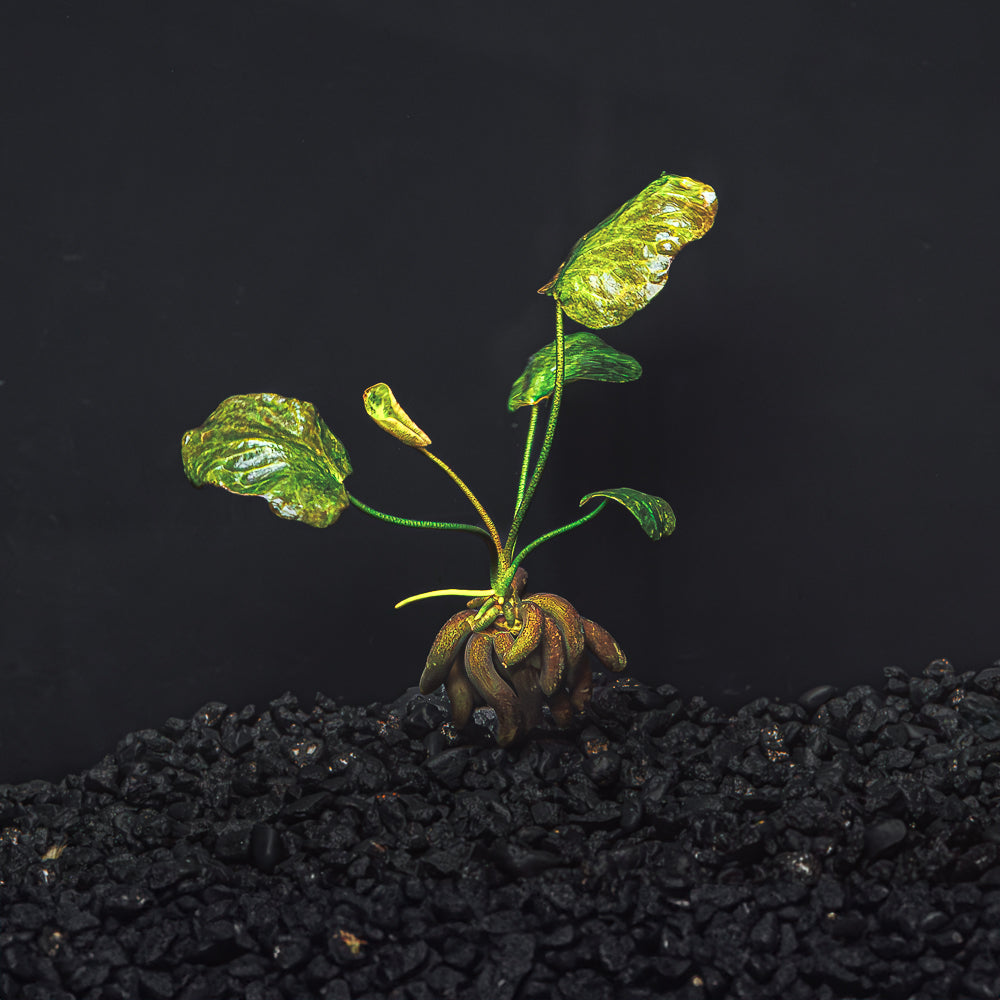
845,845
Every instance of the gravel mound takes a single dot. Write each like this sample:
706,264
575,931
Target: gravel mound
844,845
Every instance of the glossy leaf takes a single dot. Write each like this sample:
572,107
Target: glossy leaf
616,268
382,407
274,447
653,513
587,357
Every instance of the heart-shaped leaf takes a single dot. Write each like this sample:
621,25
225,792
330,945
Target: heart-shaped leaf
382,407
587,357
653,513
616,268
274,447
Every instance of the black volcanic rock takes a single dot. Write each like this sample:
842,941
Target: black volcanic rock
846,845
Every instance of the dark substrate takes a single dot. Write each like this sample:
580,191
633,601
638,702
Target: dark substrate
842,846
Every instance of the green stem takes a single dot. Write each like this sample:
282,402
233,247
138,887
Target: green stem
504,581
407,522
473,499
550,430
526,461
519,558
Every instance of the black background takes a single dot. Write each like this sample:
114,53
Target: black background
309,197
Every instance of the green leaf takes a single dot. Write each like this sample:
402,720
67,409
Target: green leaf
381,405
616,268
587,357
270,446
653,513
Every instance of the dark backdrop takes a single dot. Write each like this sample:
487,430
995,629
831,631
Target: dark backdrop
202,199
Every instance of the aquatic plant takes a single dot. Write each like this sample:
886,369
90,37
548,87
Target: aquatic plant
510,650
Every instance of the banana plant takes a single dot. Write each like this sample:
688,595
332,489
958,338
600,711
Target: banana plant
513,651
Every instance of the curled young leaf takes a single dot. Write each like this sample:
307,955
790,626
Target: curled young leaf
587,356
653,513
274,447
616,268
382,407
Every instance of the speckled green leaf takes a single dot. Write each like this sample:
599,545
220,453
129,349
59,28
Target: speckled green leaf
616,268
381,405
274,447
653,513
587,357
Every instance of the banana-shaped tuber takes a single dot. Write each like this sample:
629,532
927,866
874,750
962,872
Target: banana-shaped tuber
491,687
529,696
461,694
517,654
569,621
529,637
445,649
553,657
600,643
583,685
